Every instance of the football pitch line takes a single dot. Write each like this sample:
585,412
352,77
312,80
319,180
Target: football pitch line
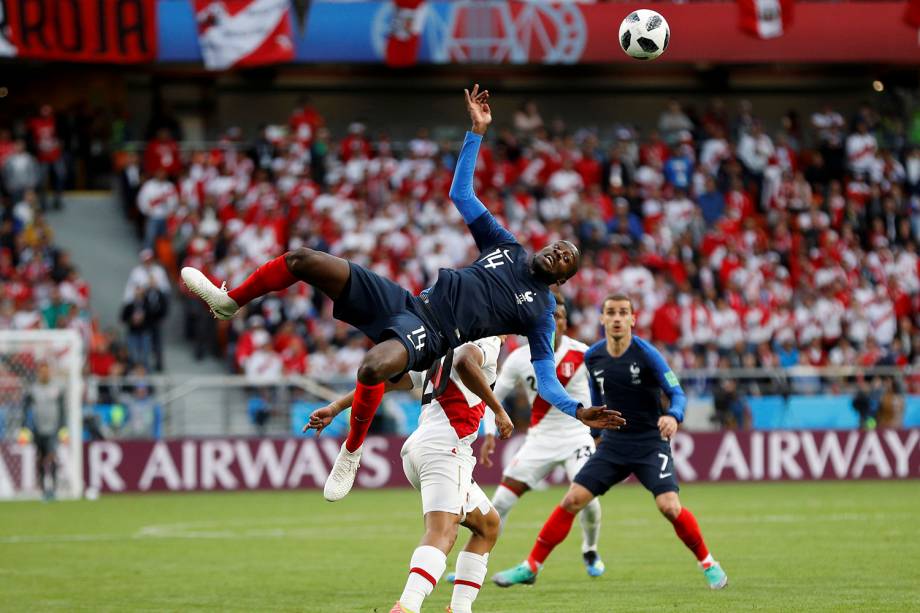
269,528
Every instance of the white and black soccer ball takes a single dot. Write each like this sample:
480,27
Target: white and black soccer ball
644,34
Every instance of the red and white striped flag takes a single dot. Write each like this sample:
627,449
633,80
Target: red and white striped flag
404,38
244,32
912,14
765,18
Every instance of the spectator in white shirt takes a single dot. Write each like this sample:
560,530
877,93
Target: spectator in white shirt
148,273
755,150
157,199
672,122
264,365
862,150
20,172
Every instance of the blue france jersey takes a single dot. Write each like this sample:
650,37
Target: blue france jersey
497,294
632,384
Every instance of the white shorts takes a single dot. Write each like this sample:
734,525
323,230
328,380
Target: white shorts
445,479
541,454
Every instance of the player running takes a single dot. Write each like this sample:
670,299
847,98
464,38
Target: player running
627,372
506,291
438,461
552,439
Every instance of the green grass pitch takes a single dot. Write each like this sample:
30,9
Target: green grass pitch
785,546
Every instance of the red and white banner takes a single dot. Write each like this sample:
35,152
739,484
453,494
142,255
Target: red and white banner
118,31
404,37
239,33
912,14
765,18
581,33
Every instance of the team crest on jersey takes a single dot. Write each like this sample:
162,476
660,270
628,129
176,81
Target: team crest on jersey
634,370
567,369
523,297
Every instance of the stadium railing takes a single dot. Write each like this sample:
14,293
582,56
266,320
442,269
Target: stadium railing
222,405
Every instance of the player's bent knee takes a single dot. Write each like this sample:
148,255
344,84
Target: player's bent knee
576,498
669,505
491,526
370,373
299,261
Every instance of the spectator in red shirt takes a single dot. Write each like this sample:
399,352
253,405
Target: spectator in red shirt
304,122
666,323
7,145
43,132
162,153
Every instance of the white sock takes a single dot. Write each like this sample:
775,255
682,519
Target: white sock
425,569
503,500
471,569
590,518
707,562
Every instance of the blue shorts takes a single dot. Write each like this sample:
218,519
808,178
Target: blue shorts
647,457
383,310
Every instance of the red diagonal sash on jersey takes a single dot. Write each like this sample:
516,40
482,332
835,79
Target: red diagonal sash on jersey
570,363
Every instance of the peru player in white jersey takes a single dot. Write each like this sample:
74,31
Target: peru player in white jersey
438,461
554,439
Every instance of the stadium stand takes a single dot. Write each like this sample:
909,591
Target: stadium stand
743,246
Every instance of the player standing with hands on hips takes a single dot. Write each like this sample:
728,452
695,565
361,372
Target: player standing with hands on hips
627,372
505,291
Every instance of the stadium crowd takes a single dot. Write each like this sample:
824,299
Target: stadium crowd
41,154
741,247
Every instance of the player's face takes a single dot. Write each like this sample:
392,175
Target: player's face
558,260
618,318
561,318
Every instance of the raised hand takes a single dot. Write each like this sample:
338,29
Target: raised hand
601,418
477,103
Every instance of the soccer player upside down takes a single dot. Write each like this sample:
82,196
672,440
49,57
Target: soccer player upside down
626,372
506,291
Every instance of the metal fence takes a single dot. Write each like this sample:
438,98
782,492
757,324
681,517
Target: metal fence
179,406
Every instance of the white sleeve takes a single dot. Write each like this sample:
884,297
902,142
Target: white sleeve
490,348
417,378
488,422
578,386
510,375
143,198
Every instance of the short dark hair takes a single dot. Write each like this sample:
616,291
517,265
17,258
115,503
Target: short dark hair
618,298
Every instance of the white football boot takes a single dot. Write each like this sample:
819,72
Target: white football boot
221,304
342,477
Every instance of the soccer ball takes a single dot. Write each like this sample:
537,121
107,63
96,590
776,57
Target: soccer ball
644,34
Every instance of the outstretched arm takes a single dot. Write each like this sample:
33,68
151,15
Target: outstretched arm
322,417
485,229
548,385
